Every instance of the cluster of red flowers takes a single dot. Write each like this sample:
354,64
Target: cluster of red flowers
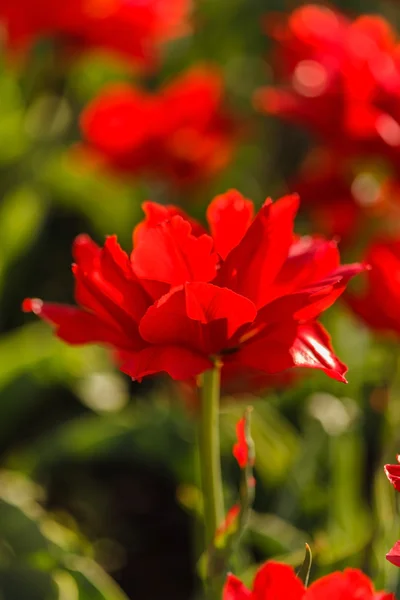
341,80
249,293
131,29
182,134
279,582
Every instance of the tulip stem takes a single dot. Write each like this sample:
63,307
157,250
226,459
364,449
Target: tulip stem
210,460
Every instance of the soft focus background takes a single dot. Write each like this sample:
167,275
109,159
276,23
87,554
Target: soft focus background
98,497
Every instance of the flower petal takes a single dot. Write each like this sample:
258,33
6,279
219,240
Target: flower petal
312,348
271,351
277,581
157,213
229,216
201,316
338,280
309,261
352,584
76,326
393,474
180,363
107,286
253,264
170,253
393,556
234,589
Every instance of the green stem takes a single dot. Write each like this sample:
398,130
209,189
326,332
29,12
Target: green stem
210,462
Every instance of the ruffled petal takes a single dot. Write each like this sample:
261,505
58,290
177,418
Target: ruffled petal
277,581
170,253
106,285
229,216
201,316
234,589
157,213
178,362
253,264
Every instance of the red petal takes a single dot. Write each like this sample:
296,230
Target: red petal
312,348
172,254
76,326
234,589
157,213
393,556
271,351
277,581
85,251
201,316
352,584
107,286
339,279
309,261
393,474
252,266
229,216
180,363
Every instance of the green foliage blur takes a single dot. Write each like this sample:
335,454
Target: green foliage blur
98,480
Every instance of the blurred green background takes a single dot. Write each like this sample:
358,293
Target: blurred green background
98,496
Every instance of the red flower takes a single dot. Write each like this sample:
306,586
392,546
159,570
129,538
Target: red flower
279,582
378,304
182,133
131,29
248,296
340,79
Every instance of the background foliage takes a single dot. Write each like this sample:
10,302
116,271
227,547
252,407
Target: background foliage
98,479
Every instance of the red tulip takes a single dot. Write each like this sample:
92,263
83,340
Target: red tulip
247,295
279,582
182,133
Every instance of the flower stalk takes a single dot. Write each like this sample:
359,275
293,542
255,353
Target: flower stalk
209,447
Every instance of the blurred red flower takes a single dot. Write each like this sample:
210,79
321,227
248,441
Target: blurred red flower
247,295
340,79
182,133
279,582
378,303
132,29
341,195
